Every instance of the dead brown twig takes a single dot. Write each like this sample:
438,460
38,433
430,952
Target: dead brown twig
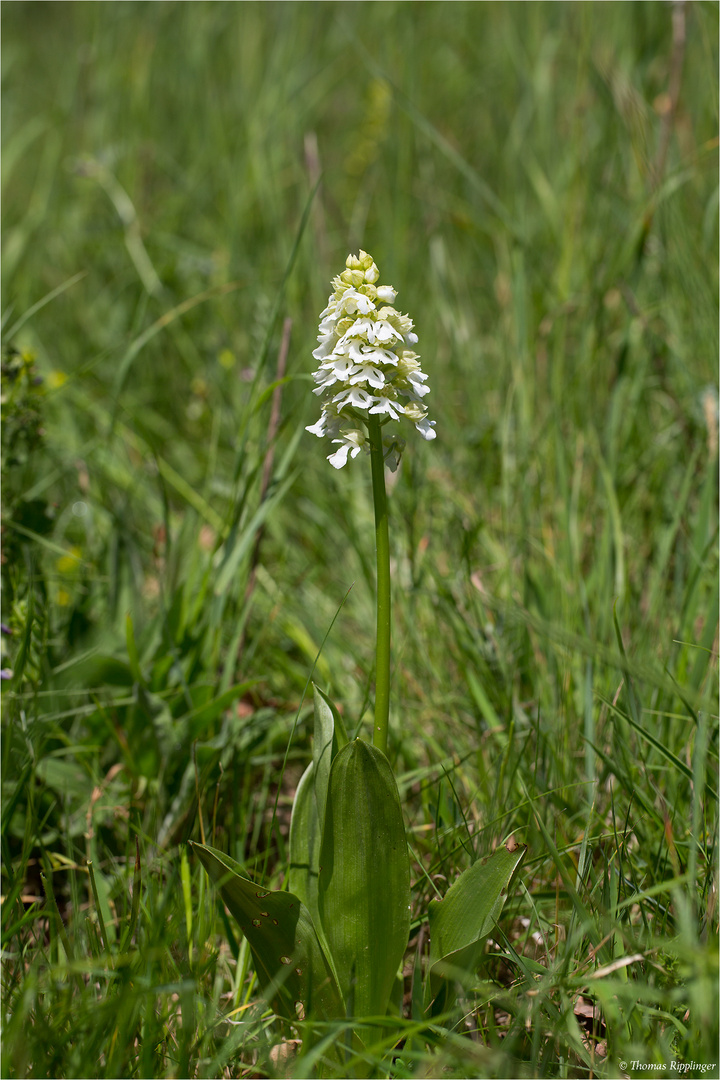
674,82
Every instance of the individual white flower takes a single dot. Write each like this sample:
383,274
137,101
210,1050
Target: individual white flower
318,429
417,378
384,405
426,428
367,373
353,301
338,459
339,370
363,328
378,356
356,397
366,365
352,442
325,347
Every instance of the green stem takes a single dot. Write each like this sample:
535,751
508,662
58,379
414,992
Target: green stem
382,547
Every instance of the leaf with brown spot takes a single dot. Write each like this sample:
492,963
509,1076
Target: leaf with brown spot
290,963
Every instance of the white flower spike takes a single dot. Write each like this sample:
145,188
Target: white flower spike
367,365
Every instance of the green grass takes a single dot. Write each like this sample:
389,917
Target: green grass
174,558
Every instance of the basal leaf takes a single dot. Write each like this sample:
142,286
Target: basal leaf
291,967
462,920
308,816
329,737
364,878
305,843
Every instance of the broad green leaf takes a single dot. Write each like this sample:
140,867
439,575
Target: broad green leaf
462,920
308,816
327,713
305,843
329,737
292,969
364,878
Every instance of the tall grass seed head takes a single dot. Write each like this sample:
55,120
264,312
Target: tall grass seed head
367,365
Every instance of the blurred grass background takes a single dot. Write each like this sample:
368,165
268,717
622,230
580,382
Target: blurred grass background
180,183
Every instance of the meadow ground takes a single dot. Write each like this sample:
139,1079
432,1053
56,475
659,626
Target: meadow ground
180,183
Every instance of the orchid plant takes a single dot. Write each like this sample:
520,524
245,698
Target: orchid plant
369,376
328,950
